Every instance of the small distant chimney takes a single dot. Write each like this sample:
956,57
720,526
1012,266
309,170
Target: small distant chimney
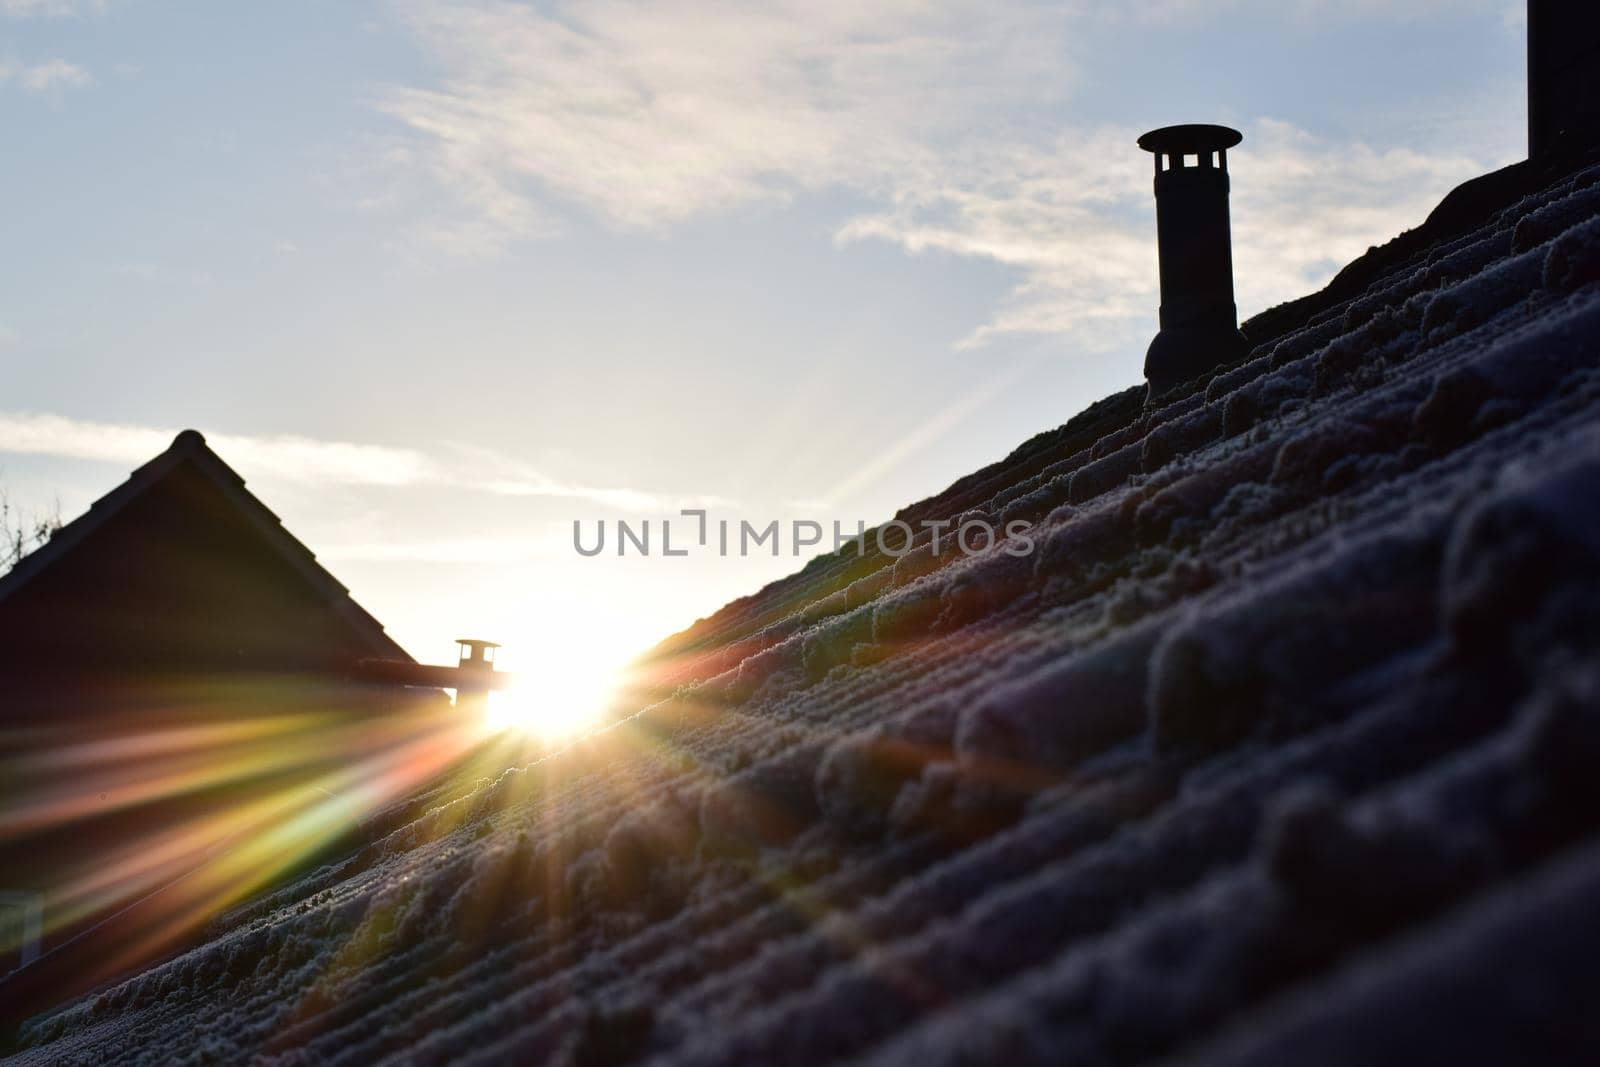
473,677
1199,321
1563,75
476,667
476,654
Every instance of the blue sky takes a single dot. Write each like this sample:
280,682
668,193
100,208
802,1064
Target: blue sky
441,276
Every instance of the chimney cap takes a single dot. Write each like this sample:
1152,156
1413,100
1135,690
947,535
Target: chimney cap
1190,140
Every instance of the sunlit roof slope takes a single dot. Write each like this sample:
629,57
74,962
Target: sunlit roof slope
1279,748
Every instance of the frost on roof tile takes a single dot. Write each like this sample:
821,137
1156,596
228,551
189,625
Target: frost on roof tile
1278,748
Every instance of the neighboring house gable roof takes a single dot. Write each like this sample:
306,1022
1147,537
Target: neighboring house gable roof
189,447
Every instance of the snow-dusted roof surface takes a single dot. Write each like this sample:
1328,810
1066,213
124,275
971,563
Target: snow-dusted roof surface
1281,748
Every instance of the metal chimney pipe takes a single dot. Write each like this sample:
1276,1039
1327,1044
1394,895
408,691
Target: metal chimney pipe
1199,320
1563,75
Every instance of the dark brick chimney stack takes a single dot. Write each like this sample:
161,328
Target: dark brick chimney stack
1563,75
1199,321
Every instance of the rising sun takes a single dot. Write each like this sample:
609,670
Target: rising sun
564,693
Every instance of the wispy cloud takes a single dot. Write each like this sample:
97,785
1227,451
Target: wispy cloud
312,461
51,75
301,458
30,9
650,111
1075,219
947,114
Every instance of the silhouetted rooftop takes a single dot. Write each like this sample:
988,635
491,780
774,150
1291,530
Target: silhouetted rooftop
1279,748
